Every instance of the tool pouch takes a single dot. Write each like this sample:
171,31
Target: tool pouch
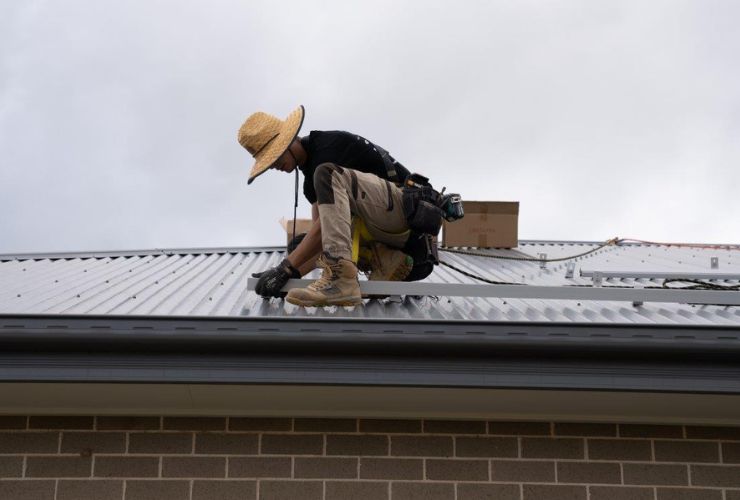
423,249
420,209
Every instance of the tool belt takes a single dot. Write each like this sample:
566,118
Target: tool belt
421,205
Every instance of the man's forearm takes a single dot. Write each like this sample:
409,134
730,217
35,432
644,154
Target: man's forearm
304,256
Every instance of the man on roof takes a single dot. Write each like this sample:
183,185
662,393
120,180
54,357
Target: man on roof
345,176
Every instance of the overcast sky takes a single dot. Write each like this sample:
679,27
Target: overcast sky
118,120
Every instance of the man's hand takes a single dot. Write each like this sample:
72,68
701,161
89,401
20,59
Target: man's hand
273,280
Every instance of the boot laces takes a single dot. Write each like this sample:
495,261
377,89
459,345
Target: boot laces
329,273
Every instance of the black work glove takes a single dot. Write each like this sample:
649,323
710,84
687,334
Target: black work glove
273,280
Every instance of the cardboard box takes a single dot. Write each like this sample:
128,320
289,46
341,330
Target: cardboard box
301,226
487,224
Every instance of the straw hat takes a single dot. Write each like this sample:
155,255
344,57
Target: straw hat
266,137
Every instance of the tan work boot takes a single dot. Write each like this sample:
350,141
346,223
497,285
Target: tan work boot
338,285
388,264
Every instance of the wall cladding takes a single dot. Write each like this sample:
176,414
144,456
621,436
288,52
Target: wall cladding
179,458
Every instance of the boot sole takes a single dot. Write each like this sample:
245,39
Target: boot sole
340,301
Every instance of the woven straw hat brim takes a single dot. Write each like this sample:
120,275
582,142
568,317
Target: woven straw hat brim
288,132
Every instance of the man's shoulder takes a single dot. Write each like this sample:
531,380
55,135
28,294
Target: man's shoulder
323,137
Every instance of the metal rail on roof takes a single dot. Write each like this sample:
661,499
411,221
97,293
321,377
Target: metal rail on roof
660,275
387,288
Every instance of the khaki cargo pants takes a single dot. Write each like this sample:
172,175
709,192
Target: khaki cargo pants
343,193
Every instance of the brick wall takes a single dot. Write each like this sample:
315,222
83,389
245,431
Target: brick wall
163,458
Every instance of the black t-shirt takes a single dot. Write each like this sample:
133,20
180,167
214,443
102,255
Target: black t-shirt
346,150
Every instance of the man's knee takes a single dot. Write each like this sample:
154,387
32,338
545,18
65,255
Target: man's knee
322,182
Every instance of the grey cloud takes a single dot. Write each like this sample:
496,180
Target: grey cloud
118,120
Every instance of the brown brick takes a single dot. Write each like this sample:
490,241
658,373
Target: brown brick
650,431
224,490
354,444
519,428
423,491
158,490
523,471
686,451
82,423
292,444
128,423
599,430
29,442
486,447
291,490
701,432
727,476
620,493
58,467
325,468
226,444
160,442
587,472
688,494
731,453
652,474
619,449
552,448
87,443
325,425
193,467
100,489
547,492
255,467
487,491
11,466
194,424
390,426
421,446
455,426
260,424
13,422
356,490
457,470
126,467
391,468
24,489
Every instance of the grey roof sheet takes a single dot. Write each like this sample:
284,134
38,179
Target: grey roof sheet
212,282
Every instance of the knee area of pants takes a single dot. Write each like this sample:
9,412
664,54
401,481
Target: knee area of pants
323,173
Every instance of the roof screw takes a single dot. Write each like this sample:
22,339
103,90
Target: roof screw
18,295
715,262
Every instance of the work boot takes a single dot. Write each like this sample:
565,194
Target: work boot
388,264
338,285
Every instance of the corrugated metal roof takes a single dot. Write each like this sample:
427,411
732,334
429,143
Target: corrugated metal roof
212,282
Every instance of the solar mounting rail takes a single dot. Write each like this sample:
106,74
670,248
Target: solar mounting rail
635,295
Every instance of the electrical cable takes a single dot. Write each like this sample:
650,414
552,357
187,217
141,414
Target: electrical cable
613,241
474,276
698,285
684,245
